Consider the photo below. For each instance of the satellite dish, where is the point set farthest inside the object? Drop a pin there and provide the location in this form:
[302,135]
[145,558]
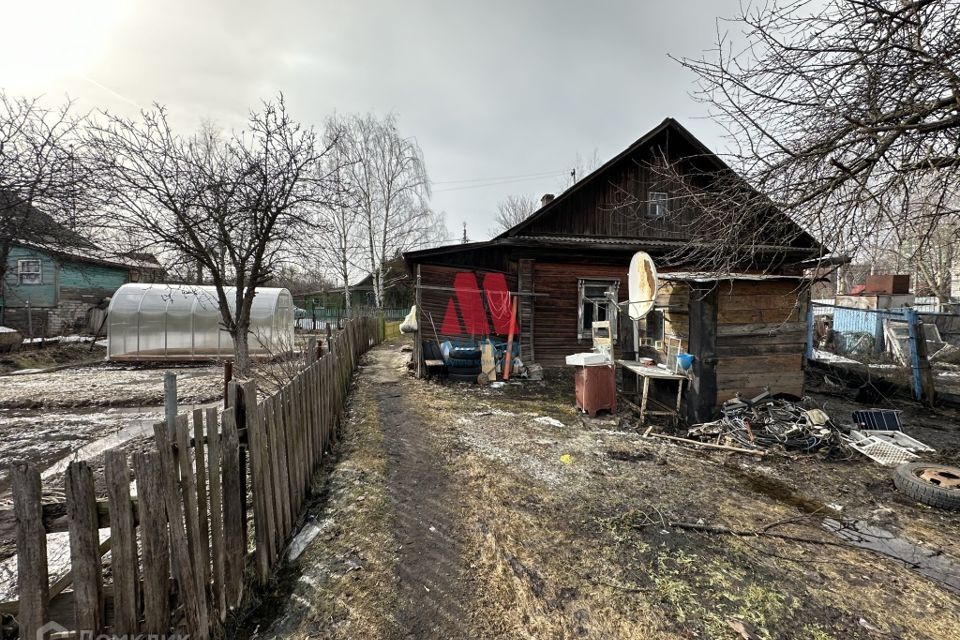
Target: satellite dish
[642,285]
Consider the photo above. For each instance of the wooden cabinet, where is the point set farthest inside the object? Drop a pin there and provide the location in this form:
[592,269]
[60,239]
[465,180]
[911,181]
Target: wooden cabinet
[596,389]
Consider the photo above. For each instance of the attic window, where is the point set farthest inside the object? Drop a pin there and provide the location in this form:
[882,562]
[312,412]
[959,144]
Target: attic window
[658,204]
[28,272]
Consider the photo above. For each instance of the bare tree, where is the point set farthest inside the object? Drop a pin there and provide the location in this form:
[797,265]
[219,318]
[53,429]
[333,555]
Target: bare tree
[340,245]
[386,172]
[514,210]
[42,176]
[835,112]
[237,205]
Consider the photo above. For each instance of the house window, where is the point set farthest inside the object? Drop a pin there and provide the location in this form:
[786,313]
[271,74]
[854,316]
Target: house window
[658,204]
[28,272]
[597,303]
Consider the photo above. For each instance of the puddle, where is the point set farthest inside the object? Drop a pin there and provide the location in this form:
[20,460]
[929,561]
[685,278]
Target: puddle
[932,564]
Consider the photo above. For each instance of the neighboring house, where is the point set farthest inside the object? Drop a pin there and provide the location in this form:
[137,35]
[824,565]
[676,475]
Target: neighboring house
[397,288]
[398,291]
[568,263]
[59,286]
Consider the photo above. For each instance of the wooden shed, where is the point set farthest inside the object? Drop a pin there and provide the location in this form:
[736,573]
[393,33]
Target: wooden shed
[567,263]
[747,333]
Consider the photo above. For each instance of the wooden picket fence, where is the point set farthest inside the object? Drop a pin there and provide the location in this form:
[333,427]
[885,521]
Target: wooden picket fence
[189,514]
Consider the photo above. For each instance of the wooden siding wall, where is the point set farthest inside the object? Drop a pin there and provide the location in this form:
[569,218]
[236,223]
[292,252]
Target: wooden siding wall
[615,206]
[90,282]
[556,315]
[761,335]
[39,295]
[673,299]
[434,302]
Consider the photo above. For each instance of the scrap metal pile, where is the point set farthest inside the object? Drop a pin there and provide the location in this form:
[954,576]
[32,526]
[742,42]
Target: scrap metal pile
[768,423]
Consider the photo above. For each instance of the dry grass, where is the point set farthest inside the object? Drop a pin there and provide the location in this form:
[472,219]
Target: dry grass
[563,535]
[557,550]
[342,587]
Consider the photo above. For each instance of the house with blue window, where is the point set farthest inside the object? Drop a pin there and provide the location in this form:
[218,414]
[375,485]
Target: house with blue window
[59,282]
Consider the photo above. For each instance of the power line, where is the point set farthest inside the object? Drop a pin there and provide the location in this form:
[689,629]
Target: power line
[525,175]
[493,184]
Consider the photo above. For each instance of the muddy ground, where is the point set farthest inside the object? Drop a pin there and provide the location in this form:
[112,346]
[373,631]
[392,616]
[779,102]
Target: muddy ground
[80,411]
[466,512]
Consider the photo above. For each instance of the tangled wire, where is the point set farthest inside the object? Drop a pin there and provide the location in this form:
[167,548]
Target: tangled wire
[765,423]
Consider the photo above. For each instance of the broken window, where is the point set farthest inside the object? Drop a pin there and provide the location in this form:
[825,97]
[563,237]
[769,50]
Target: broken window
[598,302]
[28,272]
[658,204]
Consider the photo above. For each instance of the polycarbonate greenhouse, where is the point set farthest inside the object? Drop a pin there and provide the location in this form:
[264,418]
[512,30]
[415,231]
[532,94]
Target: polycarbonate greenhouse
[182,322]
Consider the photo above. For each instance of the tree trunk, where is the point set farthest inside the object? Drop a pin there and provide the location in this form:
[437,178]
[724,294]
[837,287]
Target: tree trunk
[241,351]
[345,272]
[4,256]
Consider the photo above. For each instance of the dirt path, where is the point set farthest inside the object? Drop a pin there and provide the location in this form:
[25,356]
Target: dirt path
[387,563]
[423,501]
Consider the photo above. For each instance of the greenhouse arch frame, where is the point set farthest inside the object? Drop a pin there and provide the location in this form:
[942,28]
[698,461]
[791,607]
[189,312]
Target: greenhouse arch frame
[183,322]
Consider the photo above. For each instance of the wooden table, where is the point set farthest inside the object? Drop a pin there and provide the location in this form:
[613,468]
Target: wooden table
[653,373]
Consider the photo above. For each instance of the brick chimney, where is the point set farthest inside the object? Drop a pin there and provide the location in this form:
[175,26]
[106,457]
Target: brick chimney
[546,199]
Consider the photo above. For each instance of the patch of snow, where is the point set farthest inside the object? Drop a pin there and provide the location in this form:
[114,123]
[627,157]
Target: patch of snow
[308,534]
[550,422]
[7,330]
[826,356]
[58,563]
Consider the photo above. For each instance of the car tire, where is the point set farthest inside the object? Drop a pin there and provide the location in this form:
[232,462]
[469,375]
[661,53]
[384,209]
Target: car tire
[935,485]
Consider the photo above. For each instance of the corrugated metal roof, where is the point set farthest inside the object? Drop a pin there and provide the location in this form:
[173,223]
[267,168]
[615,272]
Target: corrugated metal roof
[644,242]
[702,276]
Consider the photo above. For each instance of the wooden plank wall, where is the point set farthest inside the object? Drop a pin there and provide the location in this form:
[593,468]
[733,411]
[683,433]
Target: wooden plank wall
[614,204]
[673,299]
[434,301]
[188,519]
[761,336]
[556,314]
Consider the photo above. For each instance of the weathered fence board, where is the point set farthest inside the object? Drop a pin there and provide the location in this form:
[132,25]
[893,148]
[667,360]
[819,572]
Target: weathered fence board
[189,516]
[32,578]
[84,547]
[123,552]
[155,542]
[214,461]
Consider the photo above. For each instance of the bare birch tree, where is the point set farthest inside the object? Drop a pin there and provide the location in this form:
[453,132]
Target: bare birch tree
[387,173]
[834,112]
[513,210]
[236,204]
[339,246]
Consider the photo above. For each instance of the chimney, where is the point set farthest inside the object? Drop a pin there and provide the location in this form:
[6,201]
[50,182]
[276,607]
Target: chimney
[546,199]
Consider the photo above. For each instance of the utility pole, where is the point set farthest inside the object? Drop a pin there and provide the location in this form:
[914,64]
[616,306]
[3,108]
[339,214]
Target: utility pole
[465,239]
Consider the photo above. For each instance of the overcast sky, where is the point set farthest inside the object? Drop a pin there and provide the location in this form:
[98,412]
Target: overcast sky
[501,95]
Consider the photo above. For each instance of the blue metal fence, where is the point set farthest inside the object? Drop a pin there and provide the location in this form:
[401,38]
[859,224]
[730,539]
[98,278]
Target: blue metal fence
[859,335]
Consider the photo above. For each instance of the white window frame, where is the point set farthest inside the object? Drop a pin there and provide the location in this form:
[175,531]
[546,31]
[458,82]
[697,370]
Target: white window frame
[24,273]
[586,333]
[658,204]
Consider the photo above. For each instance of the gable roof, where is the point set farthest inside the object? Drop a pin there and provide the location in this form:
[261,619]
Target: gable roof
[38,230]
[515,236]
[668,125]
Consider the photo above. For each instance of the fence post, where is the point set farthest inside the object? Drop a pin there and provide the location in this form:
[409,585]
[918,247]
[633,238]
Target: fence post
[923,386]
[170,401]
[809,349]
[32,579]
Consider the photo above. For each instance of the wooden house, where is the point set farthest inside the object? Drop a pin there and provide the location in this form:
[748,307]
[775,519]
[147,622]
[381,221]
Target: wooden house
[569,260]
[56,281]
